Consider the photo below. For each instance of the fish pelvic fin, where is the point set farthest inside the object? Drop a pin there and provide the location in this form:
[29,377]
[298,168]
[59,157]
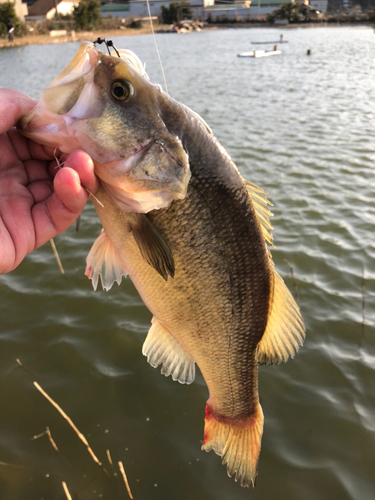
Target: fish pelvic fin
[153,247]
[285,331]
[237,441]
[104,261]
[161,348]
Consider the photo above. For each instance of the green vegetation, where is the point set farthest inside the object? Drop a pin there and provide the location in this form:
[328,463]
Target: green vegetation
[87,15]
[371,14]
[289,11]
[175,12]
[7,12]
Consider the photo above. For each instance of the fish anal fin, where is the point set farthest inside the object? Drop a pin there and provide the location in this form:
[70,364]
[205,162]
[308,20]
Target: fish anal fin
[161,348]
[153,247]
[237,441]
[285,331]
[104,261]
[260,204]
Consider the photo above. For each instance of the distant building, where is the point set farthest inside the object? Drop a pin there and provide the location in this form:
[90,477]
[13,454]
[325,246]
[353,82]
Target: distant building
[320,5]
[115,9]
[203,9]
[19,7]
[247,10]
[138,8]
[46,9]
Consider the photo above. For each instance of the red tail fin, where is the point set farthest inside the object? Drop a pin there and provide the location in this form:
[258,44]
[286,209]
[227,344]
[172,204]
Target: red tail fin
[237,441]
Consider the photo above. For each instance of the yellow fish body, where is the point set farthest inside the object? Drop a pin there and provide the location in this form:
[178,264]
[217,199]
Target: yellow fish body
[200,263]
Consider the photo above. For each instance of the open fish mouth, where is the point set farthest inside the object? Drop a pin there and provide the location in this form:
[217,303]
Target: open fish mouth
[71,96]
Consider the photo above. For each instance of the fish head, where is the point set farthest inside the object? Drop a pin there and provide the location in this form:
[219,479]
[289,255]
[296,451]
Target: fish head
[106,105]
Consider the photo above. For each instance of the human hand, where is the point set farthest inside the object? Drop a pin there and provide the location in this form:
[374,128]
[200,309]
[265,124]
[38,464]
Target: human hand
[38,200]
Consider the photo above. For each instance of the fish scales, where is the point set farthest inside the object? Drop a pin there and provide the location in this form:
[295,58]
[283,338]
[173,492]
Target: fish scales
[221,233]
[190,232]
[209,316]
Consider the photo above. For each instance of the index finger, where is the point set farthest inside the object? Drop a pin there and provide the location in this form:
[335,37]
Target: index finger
[13,105]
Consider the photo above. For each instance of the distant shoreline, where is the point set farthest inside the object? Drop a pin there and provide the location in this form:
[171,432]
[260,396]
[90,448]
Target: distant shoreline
[92,35]
[78,36]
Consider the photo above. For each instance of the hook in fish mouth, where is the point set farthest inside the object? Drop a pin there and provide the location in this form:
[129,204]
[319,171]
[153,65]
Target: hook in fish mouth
[108,43]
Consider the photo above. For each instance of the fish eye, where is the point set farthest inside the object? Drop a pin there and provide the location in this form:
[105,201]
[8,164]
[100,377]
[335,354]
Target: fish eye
[122,91]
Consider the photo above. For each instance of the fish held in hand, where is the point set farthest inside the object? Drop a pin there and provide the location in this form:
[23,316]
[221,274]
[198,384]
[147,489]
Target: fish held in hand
[201,264]
[106,107]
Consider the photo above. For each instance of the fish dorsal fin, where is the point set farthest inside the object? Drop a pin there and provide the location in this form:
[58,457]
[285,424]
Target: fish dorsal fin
[260,204]
[285,330]
[104,261]
[153,247]
[161,348]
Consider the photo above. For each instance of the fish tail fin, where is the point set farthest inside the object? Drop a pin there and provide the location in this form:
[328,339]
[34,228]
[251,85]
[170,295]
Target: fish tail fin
[237,441]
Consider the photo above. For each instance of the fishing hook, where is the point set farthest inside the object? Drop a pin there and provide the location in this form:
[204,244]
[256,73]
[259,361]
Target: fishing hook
[108,43]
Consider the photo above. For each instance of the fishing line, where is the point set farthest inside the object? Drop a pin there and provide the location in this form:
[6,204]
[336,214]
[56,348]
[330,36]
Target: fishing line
[156,46]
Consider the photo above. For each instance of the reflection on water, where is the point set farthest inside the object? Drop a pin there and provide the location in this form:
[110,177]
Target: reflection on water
[303,129]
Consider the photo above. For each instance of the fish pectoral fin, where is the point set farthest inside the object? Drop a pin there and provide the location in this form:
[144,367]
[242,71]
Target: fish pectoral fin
[260,204]
[104,261]
[237,441]
[153,247]
[285,331]
[161,348]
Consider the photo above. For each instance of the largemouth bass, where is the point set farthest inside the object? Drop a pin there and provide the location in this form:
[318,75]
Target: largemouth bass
[201,263]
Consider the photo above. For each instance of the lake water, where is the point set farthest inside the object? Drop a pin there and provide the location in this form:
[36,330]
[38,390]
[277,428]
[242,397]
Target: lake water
[301,127]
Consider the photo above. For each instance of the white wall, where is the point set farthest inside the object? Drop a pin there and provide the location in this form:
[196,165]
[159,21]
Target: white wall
[139,8]
[244,13]
[65,7]
[320,5]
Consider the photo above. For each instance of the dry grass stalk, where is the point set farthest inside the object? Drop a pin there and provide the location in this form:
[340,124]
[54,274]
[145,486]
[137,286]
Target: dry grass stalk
[122,470]
[70,422]
[24,367]
[95,198]
[48,432]
[57,256]
[109,457]
[54,445]
[13,466]
[68,495]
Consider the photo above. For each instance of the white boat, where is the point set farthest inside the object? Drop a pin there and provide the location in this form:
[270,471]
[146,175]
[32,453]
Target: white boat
[260,53]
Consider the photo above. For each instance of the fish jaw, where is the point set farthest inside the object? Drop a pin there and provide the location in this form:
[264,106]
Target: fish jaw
[151,178]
